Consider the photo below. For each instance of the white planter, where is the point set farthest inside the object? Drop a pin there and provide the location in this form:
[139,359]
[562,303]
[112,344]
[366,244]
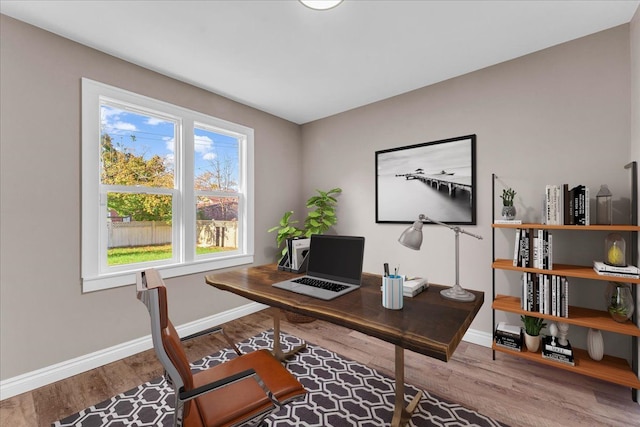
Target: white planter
[595,344]
[532,342]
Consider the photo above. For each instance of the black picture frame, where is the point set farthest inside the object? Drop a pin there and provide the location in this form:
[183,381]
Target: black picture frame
[437,179]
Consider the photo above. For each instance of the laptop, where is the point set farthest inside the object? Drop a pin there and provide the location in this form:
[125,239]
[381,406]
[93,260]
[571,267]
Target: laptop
[334,267]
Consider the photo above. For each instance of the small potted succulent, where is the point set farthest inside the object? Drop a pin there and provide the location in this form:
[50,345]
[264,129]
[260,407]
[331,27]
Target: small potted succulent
[508,210]
[532,327]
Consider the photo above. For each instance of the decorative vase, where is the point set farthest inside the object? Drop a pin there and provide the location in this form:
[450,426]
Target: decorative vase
[615,250]
[508,212]
[532,342]
[595,344]
[619,301]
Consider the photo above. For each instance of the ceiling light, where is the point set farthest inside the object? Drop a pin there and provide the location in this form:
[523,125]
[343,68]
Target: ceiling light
[321,4]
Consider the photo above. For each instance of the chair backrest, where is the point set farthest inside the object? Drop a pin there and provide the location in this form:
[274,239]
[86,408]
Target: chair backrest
[166,341]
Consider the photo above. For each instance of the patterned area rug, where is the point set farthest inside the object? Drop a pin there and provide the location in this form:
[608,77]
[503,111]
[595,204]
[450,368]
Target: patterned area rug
[341,392]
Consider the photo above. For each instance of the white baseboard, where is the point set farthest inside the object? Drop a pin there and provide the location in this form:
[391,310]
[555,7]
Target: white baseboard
[474,336]
[50,374]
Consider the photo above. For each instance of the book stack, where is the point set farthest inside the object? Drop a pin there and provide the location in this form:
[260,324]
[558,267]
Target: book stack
[552,350]
[533,248]
[604,269]
[576,202]
[553,205]
[562,205]
[545,294]
[509,336]
[414,286]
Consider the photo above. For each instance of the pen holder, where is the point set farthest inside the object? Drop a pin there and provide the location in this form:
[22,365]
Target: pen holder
[392,294]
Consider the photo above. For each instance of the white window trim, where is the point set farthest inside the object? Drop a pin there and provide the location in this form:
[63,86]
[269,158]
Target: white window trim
[93,279]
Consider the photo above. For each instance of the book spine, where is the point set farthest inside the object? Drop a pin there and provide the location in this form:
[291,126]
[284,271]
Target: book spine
[525,248]
[587,209]
[614,274]
[508,336]
[523,291]
[554,349]
[576,204]
[601,266]
[565,297]
[558,358]
[548,294]
[582,209]
[554,297]
[529,292]
[516,250]
[550,251]
[566,205]
[541,294]
[508,346]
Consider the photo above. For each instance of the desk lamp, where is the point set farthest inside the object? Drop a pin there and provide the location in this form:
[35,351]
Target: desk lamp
[412,238]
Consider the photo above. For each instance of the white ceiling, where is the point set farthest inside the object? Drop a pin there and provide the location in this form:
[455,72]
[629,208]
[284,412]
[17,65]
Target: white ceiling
[286,59]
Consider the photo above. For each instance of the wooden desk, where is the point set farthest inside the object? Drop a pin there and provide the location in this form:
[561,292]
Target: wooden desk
[427,324]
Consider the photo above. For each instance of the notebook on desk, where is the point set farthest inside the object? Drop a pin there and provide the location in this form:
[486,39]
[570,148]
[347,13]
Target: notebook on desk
[334,267]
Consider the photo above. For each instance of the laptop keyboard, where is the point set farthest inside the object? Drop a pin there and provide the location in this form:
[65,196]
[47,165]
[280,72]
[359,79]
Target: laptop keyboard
[316,283]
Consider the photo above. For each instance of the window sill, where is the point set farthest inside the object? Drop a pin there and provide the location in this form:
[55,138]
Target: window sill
[115,280]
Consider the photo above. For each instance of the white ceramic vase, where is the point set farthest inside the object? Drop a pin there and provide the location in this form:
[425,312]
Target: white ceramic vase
[595,344]
[532,342]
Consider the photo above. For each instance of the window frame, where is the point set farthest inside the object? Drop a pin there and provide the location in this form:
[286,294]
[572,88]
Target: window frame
[94,272]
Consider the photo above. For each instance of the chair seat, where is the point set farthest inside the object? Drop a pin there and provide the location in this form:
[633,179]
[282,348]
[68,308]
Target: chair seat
[244,399]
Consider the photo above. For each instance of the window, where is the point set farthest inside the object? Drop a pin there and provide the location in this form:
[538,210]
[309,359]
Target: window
[162,187]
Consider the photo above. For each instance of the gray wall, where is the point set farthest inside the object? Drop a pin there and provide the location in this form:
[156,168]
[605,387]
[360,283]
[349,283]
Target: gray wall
[561,115]
[44,316]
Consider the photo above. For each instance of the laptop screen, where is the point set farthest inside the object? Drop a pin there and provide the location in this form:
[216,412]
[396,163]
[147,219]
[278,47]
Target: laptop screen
[336,258]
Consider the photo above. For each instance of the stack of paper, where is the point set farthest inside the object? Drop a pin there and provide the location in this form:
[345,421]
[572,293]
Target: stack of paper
[414,286]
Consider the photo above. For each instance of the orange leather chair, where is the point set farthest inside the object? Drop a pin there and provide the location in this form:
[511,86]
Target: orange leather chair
[241,391]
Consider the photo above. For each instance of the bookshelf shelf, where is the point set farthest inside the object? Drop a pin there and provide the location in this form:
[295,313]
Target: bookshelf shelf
[612,369]
[610,228]
[567,270]
[580,316]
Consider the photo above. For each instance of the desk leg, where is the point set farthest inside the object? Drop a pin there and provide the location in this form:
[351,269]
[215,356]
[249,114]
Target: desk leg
[277,348]
[401,415]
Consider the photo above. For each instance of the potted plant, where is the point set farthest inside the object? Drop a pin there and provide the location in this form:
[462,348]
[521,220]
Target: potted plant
[318,221]
[532,327]
[508,210]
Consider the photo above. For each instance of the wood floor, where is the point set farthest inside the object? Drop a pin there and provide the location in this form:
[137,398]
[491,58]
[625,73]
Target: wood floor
[510,390]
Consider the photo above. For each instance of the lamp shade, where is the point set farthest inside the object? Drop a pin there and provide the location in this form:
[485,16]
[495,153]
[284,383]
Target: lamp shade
[321,4]
[412,236]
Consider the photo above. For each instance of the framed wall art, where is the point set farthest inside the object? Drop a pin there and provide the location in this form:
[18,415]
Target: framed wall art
[435,178]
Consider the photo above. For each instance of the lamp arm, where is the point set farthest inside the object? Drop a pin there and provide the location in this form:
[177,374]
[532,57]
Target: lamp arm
[457,230]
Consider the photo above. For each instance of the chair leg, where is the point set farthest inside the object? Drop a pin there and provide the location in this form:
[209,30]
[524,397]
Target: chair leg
[231,343]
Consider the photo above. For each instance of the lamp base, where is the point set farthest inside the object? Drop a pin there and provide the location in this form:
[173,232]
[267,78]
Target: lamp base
[456,293]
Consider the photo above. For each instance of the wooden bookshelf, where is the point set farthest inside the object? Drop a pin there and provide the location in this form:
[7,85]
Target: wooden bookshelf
[612,369]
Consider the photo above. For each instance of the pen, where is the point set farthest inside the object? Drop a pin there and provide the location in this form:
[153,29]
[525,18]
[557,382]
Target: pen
[386,269]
